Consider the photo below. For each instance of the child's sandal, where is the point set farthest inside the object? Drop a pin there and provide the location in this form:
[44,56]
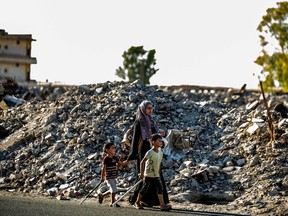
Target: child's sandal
[166,208]
[115,205]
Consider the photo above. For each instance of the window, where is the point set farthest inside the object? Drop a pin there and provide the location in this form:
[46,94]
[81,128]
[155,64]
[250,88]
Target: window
[17,42]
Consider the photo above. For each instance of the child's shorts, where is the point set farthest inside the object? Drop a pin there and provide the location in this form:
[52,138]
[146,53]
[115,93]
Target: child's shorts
[112,185]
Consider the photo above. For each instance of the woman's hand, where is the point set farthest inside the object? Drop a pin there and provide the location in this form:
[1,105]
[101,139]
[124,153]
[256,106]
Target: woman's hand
[125,163]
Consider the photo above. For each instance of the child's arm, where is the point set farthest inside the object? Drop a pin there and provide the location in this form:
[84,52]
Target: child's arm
[120,163]
[103,172]
[142,168]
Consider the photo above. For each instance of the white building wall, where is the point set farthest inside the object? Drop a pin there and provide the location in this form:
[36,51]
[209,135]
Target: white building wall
[15,56]
[13,71]
[14,47]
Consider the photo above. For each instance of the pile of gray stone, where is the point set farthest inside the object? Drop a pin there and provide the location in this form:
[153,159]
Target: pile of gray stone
[219,150]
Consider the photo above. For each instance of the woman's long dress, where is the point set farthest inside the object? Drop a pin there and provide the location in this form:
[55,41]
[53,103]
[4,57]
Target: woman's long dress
[151,197]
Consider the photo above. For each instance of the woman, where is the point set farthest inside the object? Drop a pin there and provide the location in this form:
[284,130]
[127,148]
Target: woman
[144,126]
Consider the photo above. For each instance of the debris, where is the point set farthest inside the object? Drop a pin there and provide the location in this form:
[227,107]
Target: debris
[54,145]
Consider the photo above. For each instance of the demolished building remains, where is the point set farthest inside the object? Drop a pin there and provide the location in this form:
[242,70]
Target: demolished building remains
[218,149]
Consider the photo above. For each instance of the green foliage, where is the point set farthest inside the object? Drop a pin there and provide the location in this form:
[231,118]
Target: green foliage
[138,64]
[274,26]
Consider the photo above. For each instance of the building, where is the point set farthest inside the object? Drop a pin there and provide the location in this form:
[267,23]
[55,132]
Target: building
[15,56]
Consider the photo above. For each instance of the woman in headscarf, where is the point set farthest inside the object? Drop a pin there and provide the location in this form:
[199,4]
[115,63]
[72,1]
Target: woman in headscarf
[144,126]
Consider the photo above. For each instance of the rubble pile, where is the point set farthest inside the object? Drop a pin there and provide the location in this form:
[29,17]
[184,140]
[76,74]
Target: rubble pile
[219,149]
[7,86]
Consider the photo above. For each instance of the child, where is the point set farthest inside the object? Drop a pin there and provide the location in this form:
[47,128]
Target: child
[150,169]
[109,172]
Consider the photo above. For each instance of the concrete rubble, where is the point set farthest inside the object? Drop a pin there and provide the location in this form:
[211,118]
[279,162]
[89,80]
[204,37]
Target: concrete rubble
[219,151]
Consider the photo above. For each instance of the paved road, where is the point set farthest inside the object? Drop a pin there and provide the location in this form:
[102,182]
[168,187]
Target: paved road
[29,206]
[11,205]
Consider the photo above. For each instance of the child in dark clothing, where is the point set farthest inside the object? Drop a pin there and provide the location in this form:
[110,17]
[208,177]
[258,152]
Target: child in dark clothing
[109,172]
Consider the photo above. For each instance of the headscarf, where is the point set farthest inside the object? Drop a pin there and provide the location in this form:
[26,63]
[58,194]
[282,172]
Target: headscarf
[146,121]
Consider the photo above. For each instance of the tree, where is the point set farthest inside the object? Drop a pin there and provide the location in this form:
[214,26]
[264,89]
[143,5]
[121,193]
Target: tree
[138,64]
[274,26]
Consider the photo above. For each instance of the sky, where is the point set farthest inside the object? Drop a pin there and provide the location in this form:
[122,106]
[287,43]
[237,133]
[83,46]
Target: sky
[211,42]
